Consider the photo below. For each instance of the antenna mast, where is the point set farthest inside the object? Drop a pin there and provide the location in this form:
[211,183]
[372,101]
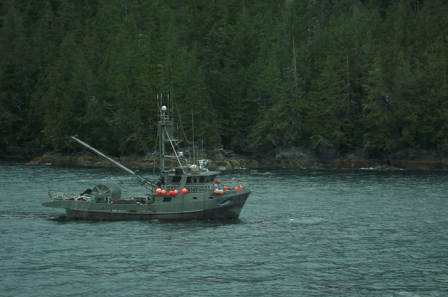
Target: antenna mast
[192,123]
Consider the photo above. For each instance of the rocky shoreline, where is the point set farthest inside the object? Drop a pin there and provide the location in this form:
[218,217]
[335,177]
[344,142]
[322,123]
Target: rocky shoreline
[410,159]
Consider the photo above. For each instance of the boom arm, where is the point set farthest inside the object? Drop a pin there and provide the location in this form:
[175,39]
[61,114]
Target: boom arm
[85,145]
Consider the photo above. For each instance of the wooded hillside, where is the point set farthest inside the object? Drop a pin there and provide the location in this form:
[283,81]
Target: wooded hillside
[251,74]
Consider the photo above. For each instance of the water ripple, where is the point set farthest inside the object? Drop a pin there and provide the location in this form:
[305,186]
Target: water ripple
[301,233]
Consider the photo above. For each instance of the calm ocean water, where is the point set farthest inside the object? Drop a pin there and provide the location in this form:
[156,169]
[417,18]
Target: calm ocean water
[301,233]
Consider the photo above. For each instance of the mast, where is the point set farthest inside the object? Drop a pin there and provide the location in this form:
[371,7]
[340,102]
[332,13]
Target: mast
[163,121]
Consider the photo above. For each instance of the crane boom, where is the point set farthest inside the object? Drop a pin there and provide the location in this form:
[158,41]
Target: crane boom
[121,166]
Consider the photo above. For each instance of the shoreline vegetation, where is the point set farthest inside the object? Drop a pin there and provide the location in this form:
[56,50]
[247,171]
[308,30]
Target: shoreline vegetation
[409,159]
[356,83]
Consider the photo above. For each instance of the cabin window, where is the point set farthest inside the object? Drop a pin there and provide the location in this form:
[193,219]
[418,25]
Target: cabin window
[192,180]
[176,179]
[166,199]
[202,179]
[210,178]
[211,197]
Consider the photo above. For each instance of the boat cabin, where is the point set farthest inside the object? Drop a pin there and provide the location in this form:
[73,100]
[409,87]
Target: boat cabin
[178,178]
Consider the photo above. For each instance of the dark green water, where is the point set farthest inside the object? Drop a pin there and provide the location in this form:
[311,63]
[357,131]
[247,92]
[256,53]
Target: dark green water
[301,233]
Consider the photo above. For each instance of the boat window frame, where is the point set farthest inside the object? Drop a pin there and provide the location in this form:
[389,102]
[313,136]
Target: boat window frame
[176,179]
[192,180]
[210,178]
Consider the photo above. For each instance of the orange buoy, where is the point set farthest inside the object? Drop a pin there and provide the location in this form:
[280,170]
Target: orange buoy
[171,193]
[158,191]
[221,192]
[216,191]
[241,187]
[218,181]
[237,188]
[176,192]
[215,185]
[184,191]
[225,188]
[163,192]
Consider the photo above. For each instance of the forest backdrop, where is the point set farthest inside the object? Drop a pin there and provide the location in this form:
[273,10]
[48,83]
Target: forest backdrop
[252,75]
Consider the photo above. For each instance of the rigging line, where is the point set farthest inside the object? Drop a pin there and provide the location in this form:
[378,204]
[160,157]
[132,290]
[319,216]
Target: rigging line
[153,159]
[66,166]
[192,122]
[180,120]
[171,142]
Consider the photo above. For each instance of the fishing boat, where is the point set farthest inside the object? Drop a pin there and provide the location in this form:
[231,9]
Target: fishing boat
[185,190]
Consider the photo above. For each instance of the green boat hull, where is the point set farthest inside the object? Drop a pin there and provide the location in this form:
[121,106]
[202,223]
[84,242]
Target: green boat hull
[194,206]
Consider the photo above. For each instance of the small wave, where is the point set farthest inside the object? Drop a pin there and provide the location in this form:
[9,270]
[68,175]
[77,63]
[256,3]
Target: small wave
[306,221]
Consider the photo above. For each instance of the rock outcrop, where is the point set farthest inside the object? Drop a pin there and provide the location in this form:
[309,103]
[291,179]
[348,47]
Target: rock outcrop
[220,159]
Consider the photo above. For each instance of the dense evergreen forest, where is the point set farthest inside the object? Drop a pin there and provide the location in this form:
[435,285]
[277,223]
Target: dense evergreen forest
[251,74]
